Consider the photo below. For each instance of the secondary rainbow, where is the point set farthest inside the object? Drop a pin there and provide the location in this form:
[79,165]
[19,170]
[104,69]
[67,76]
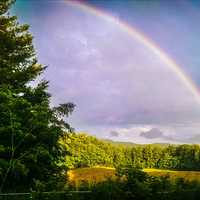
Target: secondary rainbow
[133,32]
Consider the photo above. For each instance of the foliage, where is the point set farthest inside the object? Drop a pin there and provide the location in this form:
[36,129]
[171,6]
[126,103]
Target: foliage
[138,185]
[29,129]
[99,174]
[87,151]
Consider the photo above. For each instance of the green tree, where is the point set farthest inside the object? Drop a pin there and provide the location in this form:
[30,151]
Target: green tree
[29,129]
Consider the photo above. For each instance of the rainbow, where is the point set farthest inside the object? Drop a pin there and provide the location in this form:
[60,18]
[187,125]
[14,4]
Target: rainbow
[133,32]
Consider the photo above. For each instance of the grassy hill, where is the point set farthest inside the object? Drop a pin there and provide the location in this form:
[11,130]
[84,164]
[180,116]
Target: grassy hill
[99,174]
[188,175]
[90,175]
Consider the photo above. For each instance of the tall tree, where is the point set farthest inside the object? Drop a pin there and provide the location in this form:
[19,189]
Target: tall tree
[29,128]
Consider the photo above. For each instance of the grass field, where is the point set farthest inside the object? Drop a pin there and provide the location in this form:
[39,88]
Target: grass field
[90,175]
[99,174]
[188,175]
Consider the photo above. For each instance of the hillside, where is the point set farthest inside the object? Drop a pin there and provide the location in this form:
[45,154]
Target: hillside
[88,151]
[99,174]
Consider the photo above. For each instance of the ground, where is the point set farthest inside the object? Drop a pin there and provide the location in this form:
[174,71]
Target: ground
[99,174]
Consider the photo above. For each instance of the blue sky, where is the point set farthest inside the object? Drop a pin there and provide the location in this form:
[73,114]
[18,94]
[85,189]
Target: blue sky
[122,90]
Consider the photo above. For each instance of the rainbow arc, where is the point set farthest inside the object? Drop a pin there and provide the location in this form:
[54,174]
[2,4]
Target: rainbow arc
[148,43]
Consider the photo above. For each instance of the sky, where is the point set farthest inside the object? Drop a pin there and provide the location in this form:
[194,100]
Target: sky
[122,90]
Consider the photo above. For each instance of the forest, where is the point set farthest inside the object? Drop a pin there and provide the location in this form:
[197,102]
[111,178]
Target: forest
[38,146]
[87,151]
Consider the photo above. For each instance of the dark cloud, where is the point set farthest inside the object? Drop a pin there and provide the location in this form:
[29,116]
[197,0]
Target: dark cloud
[152,134]
[114,133]
[156,133]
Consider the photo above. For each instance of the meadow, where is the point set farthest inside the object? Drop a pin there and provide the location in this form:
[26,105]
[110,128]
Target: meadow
[99,174]
[173,174]
[90,175]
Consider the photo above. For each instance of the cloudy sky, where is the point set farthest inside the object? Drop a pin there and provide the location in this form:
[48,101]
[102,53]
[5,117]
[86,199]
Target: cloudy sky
[122,90]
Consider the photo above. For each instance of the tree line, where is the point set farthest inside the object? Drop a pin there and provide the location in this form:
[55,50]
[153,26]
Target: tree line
[83,150]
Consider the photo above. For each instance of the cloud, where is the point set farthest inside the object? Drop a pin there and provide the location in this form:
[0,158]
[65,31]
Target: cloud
[152,133]
[156,133]
[147,134]
[114,134]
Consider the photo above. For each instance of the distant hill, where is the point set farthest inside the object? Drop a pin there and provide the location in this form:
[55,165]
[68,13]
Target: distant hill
[131,144]
[128,144]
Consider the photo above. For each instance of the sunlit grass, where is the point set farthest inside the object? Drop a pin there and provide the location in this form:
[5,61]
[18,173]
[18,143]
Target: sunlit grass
[187,175]
[98,174]
[153,170]
[90,175]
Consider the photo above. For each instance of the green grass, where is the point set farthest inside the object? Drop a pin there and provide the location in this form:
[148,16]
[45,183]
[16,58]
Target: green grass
[99,174]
